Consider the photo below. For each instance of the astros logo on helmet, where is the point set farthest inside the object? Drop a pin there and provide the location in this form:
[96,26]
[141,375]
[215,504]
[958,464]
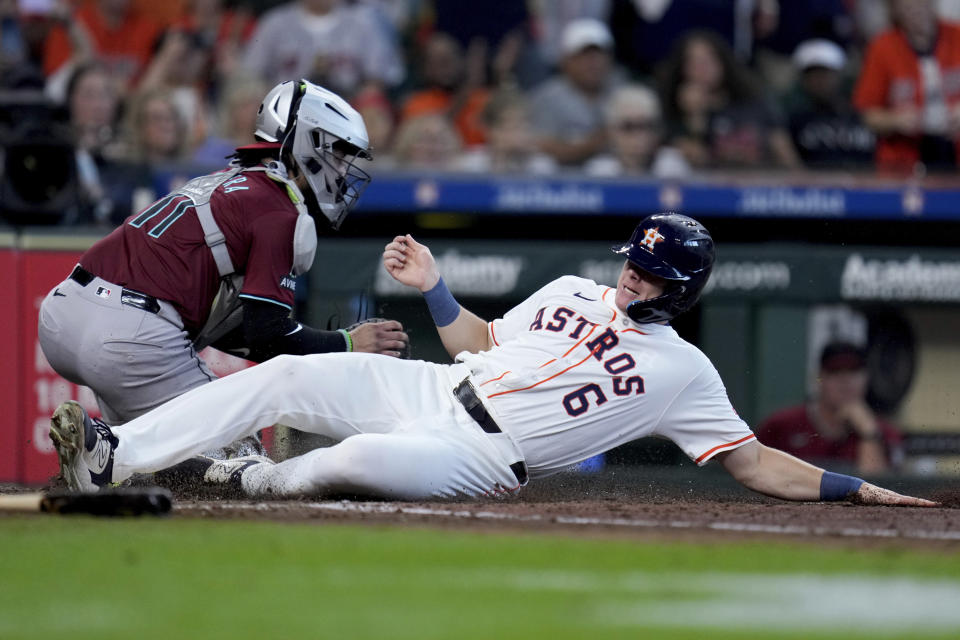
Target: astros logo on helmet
[651,237]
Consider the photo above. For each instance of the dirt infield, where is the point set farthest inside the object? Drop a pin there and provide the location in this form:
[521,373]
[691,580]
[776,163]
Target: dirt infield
[632,502]
[933,529]
[643,503]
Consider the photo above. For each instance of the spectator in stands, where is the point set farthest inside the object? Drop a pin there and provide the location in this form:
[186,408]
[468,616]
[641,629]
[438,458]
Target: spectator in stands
[510,144]
[399,14]
[870,18]
[182,67]
[908,91]
[374,106]
[501,27]
[113,31]
[635,130]
[166,12]
[792,24]
[826,130]
[716,114]
[236,119]
[837,425]
[194,58]
[568,108]
[224,32]
[339,45]
[25,28]
[452,85]
[645,31]
[93,105]
[549,19]
[427,141]
[110,188]
[155,129]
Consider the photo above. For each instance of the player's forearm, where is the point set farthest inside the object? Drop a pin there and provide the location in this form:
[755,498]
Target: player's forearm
[459,329]
[784,476]
[467,333]
[299,341]
[774,473]
[269,332]
[780,475]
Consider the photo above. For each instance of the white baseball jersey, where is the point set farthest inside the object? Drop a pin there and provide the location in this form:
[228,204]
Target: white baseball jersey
[571,376]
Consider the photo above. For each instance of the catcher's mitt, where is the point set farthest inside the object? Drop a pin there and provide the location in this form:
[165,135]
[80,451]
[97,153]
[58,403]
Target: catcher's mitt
[404,353]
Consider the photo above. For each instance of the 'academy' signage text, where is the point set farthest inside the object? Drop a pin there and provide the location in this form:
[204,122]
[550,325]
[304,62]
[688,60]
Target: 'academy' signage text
[910,279]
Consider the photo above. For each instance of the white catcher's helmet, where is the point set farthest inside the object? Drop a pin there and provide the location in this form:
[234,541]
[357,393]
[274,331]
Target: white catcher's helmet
[325,137]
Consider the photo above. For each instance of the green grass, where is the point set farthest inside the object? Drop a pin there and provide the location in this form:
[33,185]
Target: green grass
[178,578]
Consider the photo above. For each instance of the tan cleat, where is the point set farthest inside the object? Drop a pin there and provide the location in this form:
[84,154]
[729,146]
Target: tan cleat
[84,447]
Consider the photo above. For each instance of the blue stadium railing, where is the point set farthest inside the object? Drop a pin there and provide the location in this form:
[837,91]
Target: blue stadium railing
[824,196]
[809,196]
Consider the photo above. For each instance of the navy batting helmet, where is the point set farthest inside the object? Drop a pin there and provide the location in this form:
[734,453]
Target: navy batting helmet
[676,248]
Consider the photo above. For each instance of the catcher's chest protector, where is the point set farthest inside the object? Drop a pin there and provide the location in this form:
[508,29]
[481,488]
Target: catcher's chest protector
[225,311]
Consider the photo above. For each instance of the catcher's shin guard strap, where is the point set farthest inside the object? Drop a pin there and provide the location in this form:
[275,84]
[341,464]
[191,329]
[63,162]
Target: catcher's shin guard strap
[443,306]
[836,486]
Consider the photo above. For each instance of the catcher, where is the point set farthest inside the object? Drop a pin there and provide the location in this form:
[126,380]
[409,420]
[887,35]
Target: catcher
[214,263]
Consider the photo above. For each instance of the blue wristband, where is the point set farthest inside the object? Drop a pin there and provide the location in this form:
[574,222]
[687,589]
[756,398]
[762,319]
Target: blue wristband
[836,486]
[442,305]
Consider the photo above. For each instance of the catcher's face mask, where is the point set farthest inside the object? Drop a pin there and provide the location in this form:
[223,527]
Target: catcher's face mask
[326,140]
[329,165]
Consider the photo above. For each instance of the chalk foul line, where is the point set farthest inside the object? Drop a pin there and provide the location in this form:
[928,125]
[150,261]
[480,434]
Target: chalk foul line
[346,506]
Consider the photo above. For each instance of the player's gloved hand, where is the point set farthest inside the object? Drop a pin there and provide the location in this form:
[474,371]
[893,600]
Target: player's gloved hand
[872,494]
[378,335]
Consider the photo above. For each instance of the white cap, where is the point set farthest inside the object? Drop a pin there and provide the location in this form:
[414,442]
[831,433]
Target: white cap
[819,53]
[582,33]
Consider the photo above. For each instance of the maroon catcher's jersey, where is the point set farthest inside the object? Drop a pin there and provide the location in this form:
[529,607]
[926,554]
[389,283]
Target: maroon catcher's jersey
[161,251]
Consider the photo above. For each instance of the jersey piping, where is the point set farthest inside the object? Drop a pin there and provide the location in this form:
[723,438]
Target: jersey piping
[559,373]
[711,452]
[494,379]
[262,299]
[492,336]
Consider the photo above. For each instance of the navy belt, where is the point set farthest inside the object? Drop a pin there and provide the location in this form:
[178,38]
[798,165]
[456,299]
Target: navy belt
[466,395]
[128,297]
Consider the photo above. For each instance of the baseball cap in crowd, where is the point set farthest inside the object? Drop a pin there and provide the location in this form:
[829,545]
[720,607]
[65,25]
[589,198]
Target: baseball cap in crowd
[582,33]
[819,53]
[842,356]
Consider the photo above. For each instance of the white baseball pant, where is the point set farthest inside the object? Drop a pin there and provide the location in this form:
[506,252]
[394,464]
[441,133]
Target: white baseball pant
[401,432]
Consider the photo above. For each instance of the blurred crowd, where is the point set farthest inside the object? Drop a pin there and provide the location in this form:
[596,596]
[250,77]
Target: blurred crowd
[660,88]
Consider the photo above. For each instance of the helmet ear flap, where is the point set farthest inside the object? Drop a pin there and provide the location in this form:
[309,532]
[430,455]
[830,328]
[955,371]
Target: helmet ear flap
[663,308]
